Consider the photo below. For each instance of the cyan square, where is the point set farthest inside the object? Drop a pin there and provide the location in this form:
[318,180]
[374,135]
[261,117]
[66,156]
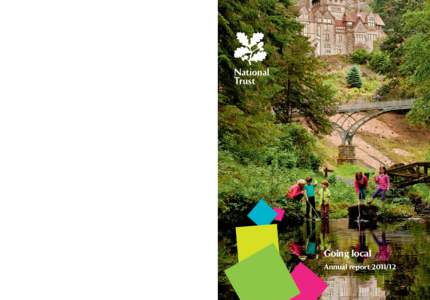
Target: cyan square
[262,213]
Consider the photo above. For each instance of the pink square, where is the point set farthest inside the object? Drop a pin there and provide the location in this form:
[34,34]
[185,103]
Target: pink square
[280,213]
[311,286]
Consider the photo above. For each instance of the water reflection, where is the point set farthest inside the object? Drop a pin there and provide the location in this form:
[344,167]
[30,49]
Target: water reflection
[361,246]
[397,254]
[405,245]
[384,250]
[347,287]
[325,230]
[311,242]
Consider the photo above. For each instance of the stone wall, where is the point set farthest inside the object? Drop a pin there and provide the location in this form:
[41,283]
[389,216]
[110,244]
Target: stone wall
[346,154]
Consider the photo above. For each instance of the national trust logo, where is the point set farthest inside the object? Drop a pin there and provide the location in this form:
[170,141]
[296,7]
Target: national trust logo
[251,50]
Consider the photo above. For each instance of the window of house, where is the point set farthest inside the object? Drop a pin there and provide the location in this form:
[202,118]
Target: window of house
[327,37]
[339,38]
[327,48]
[349,24]
[371,21]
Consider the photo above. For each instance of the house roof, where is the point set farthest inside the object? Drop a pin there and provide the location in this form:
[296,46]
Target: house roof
[359,27]
[378,20]
[303,10]
[350,18]
[363,17]
[339,23]
[319,12]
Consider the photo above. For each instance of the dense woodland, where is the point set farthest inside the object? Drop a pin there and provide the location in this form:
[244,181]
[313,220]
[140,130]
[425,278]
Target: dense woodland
[407,47]
[263,146]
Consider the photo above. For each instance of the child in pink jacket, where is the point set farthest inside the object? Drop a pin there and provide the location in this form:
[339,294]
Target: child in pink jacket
[383,184]
[297,191]
[360,184]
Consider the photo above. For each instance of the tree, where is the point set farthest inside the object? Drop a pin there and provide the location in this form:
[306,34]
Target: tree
[305,92]
[416,63]
[353,78]
[379,62]
[248,115]
[392,12]
[360,56]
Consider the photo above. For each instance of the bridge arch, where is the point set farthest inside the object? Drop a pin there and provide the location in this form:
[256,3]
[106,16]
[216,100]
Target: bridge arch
[354,114]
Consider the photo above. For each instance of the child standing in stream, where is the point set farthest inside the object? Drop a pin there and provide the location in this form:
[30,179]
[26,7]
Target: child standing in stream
[310,189]
[360,184]
[325,196]
[383,185]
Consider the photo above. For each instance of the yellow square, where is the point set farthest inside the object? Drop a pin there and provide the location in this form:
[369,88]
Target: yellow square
[251,239]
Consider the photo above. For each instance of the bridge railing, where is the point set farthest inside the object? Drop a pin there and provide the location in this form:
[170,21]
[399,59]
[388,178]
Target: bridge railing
[379,105]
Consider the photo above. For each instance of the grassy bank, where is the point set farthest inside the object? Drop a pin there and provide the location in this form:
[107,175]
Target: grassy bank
[337,68]
[242,186]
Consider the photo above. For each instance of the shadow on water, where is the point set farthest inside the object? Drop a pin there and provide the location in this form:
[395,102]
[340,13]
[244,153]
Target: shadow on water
[394,261]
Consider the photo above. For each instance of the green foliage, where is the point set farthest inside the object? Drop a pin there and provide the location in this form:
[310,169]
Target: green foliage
[349,170]
[337,71]
[422,190]
[298,143]
[360,56]
[407,45]
[261,151]
[420,112]
[343,192]
[332,179]
[240,187]
[304,90]
[266,172]
[378,6]
[353,78]
[392,212]
[416,64]
[383,90]
[379,62]
[392,11]
[247,115]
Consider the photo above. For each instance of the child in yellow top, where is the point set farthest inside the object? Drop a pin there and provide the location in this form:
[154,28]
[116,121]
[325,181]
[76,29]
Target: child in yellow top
[325,196]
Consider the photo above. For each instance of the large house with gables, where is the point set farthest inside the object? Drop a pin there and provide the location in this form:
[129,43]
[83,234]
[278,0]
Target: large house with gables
[339,26]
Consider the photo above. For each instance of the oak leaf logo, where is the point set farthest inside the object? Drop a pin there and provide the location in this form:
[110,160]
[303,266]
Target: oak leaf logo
[251,50]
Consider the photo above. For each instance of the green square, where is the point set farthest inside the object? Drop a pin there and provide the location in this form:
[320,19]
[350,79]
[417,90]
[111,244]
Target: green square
[262,276]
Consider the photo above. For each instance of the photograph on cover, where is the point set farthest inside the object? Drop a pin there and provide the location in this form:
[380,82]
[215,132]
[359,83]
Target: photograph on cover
[324,149]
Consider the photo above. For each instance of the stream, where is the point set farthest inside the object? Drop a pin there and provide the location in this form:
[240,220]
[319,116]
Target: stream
[398,266]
